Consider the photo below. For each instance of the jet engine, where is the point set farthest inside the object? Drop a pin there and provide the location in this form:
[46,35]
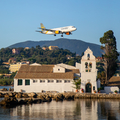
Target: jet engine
[57,32]
[68,33]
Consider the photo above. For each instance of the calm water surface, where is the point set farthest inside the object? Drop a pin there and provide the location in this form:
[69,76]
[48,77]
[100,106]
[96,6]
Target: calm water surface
[80,109]
[67,110]
[7,87]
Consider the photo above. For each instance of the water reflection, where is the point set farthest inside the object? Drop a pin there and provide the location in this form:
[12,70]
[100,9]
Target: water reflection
[84,109]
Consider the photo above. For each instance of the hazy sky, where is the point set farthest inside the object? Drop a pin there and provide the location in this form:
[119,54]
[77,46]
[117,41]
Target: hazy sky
[20,18]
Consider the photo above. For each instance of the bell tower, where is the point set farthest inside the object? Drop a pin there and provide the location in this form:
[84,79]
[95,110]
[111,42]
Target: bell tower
[88,72]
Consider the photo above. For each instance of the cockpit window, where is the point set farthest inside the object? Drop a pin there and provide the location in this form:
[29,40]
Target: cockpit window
[73,27]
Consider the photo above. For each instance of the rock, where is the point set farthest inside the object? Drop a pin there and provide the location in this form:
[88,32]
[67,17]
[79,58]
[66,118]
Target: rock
[18,95]
[4,89]
[38,101]
[29,101]
[58,97]
[25,95]
[33,95]
[48,98]
[6,95]
[11,89]
[1,95]
[69,96]
[44,97]
[22,102]
[9,102]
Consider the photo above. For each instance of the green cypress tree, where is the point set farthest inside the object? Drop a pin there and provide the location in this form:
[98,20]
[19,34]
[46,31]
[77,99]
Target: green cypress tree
[110,55]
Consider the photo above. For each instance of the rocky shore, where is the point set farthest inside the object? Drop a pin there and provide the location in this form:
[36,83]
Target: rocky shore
[12,99]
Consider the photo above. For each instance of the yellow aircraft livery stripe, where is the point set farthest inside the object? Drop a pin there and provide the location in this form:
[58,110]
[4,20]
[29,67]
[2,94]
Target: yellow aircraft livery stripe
[46,32]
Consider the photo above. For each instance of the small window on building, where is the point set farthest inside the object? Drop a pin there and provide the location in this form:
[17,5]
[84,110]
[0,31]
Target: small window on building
[93,87]
[19,81]
[42,81]
[66,81]
[58,69]
[86,65]
[90,65]
[86,70]
[58,81]
[34,81]
[27,82]
[50,81]
[88,56]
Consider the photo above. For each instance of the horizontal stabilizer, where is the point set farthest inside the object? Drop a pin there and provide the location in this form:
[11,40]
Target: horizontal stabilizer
[38,31]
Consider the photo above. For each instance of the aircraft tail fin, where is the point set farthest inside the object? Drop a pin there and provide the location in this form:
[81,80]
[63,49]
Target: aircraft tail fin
[42,26]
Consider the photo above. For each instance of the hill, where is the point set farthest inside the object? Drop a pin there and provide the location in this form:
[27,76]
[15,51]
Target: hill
[73,45]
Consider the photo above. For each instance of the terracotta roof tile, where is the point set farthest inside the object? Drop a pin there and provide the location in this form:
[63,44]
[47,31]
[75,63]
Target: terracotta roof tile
[43,72]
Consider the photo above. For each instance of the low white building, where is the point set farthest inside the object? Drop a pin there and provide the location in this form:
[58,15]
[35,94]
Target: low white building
[59,77]
[37,78]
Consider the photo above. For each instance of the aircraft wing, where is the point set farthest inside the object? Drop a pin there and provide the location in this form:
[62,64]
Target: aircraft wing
[49,29]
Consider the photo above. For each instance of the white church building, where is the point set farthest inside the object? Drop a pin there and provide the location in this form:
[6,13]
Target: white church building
[88,72]
[59,77]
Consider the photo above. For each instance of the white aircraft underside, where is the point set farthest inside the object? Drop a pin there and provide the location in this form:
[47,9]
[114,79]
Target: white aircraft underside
[66,30]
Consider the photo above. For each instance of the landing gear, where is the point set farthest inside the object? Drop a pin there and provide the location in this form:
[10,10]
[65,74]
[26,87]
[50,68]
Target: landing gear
[54,34]
[62,35]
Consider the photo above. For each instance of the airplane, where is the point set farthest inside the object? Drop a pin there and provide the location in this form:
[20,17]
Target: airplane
[62,30]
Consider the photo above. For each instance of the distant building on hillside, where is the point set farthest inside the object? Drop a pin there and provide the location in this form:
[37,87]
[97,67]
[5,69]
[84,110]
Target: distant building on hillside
[12,60]
[99,59]
[15,51]
[69,57]
[53,47]
[5,63]
[15,67]
[26,48]
[45,48]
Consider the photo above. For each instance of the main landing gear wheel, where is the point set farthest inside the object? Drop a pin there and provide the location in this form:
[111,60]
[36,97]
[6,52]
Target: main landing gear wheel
[61,35]
[54,34]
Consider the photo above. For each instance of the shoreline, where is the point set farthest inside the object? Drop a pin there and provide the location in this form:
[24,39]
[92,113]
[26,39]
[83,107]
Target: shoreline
[11,98]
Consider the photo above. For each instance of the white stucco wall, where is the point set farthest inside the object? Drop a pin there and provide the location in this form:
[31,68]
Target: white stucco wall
[58,69]
[110,89]
[78,66]
[38,87]
[98,83]
[89,72]
[66,66]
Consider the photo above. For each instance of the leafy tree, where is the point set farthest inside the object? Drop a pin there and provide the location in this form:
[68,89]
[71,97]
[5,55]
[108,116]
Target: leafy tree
[102,77]
[13,75]
[77,83]
[111,54]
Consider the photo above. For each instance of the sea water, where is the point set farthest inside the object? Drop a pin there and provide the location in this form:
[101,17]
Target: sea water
[79,109]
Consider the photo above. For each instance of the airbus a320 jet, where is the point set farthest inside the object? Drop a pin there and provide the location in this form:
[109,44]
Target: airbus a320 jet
[62,30]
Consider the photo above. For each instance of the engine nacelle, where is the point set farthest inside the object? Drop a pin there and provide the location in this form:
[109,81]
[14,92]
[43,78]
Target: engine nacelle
[57,32]
[68,33]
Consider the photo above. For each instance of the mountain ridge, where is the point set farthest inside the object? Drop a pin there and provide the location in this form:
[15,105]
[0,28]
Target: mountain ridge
[73,45]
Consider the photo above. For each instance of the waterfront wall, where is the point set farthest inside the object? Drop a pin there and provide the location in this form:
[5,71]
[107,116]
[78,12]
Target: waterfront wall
[12,99]
[61,96]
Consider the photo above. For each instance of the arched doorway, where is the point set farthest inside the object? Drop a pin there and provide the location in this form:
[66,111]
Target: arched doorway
[88,87]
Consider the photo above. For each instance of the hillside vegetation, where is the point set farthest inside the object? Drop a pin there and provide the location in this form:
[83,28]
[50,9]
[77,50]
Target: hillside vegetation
[39,55]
